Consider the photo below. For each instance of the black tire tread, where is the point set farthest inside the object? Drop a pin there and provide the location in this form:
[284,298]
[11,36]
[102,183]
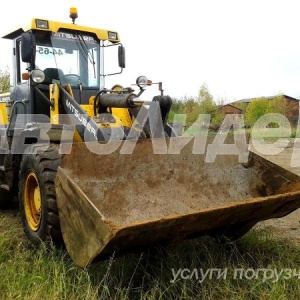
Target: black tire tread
[46,163]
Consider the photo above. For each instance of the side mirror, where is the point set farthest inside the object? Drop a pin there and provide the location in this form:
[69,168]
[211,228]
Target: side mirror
[28,47]
[121,56]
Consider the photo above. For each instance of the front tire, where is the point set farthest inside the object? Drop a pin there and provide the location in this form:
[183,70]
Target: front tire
[37,198]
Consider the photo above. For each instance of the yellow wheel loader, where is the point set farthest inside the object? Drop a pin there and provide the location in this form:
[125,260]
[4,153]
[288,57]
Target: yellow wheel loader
[101,169]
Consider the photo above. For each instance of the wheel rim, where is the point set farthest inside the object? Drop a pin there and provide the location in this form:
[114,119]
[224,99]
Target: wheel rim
[32,201]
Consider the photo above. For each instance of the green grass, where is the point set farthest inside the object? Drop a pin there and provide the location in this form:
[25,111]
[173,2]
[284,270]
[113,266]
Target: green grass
[273,133]
[265,133]
[43,273]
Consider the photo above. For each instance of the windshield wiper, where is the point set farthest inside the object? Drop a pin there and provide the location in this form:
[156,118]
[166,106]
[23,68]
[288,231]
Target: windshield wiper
[86,51]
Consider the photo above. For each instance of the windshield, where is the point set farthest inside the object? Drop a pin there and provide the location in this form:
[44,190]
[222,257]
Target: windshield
[72,58]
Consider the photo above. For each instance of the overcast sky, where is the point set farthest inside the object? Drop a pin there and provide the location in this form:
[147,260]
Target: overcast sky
[240,49]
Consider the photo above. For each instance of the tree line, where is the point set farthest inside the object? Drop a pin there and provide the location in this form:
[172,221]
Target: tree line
[250,111]
[4,81]
[192,107]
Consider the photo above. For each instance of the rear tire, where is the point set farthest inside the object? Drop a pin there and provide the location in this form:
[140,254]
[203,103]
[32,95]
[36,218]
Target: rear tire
[37,197]
[6,200]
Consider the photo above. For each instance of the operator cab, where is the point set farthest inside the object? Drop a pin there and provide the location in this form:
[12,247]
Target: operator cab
[70,55]
[67,57]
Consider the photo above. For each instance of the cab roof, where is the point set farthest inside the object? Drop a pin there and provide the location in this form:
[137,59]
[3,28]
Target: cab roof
[54,26]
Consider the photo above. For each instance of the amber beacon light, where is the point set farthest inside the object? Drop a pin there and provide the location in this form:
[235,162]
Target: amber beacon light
[73,14]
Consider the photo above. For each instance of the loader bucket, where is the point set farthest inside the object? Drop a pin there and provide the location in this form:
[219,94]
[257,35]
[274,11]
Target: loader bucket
[119,201]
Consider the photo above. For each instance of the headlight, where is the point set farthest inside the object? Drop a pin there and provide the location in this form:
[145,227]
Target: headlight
[38,76]
[142,81]
[112,35]
[42,24]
